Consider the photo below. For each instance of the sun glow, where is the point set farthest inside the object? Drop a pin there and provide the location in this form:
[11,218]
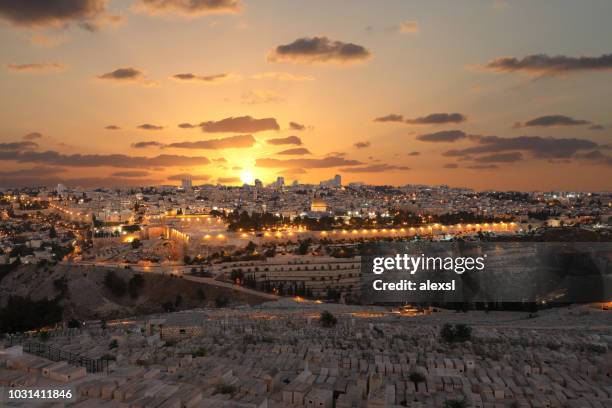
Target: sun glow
[247,177]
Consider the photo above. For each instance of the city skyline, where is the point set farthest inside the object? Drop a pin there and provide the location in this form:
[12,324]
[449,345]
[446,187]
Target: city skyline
[505,95]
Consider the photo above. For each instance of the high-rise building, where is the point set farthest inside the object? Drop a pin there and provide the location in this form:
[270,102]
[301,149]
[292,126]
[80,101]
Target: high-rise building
[335,182]
[279,183]
[187,184]
[61,189]
[258,184]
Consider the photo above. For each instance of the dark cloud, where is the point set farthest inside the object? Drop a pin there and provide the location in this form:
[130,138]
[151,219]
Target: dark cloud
[189,77]
[482,167]
[102,160]
[228,180]
[293,172]
[39,171]
[375,168]
[319,50]
[361,145]
[112,127]
[539,147]
[542,64]
[450,166]
[438,119]
[183,176]
[596,157]
[414,153]
[553,120]
[232,142]
[297,151]
[76,182]
[127,75]
[188,8]
[596,127]
[296,126]
[390,118]
[32,136]
[144,145]
[220,160]
[37,68]
[18,146]
[187,126]
[323,163]
[289,140]
[501,158]
[442,136]
[335,154]
[131,173]
[148,126]
[241,124]
[89,14]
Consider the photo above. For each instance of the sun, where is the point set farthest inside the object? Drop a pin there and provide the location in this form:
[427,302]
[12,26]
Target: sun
[247,177]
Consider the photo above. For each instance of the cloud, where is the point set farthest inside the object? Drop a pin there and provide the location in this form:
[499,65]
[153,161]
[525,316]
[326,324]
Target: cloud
[596,127]
[207,79]
[539,147]
[144,145]
[597,157]
[296,126]
[390,118]
[414,154]
[220,160]
[438,119]
[409,27]
[501,158]
[187,126]
[38,68]
[131,173]
[282,76]
[310,50]
[553,120]
[88,14]
[542,64]
[39,171]
[101,160]
[361,145]
[375,168]
[289,140]
[188,8]
[183,176]
[324,163]
[18,146]
[228,180]
[127,75]
[112,127]
[231,142]
[297,151]
[260,96]
[148,126]
[32,136]
[482,167]
[450,166]
[241,124]
[443,136]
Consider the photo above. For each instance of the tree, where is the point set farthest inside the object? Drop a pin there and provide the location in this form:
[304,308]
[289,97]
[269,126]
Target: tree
[416,378]
[221,301]
[52,233]
[113,345]
[327,319]
[456,403]
[135,284]
[115,284]
[455,334]
[74,324]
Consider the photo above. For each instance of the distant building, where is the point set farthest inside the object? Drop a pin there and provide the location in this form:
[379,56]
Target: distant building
[318,205]
[279,183]
[61,189]
[187,184]
[335,182]
[258,184]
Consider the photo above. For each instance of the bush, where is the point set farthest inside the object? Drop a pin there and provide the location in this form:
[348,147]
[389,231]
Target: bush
[221,301]
[115,284]
[455,334]
[135,285]
[225,389]
[22,314]
[327,319]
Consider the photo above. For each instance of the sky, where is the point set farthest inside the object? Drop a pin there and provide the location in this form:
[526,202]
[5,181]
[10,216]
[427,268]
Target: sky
[487,94]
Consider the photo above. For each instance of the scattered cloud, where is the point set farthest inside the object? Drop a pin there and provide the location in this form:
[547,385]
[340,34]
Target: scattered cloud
[127,75]
[361,145]
[39,171]
[482,167]
[323,163]
[375,168]
[112,127]
[296,126]
[309,50]
[297,151]
[289,140]
[241,124]
[32,136]
[204,79]
[510,157]
[18,146]
[187,125]
[409,27]
[438,119]
[149,126]
[450,166]
[282,76]
[596,127]
[414,154]
[38,68]
[144,145]
[596,157]
[228,180]
[188,8]
[542,64]
[131,173]
[220,160]
[101,160]
[390,118]
[443,136]
[88,14]
[552,120]
[293,172]
[194,177]
[231,142]
[260,96]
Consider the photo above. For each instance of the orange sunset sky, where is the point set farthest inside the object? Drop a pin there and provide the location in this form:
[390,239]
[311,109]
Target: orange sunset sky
[507,95]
